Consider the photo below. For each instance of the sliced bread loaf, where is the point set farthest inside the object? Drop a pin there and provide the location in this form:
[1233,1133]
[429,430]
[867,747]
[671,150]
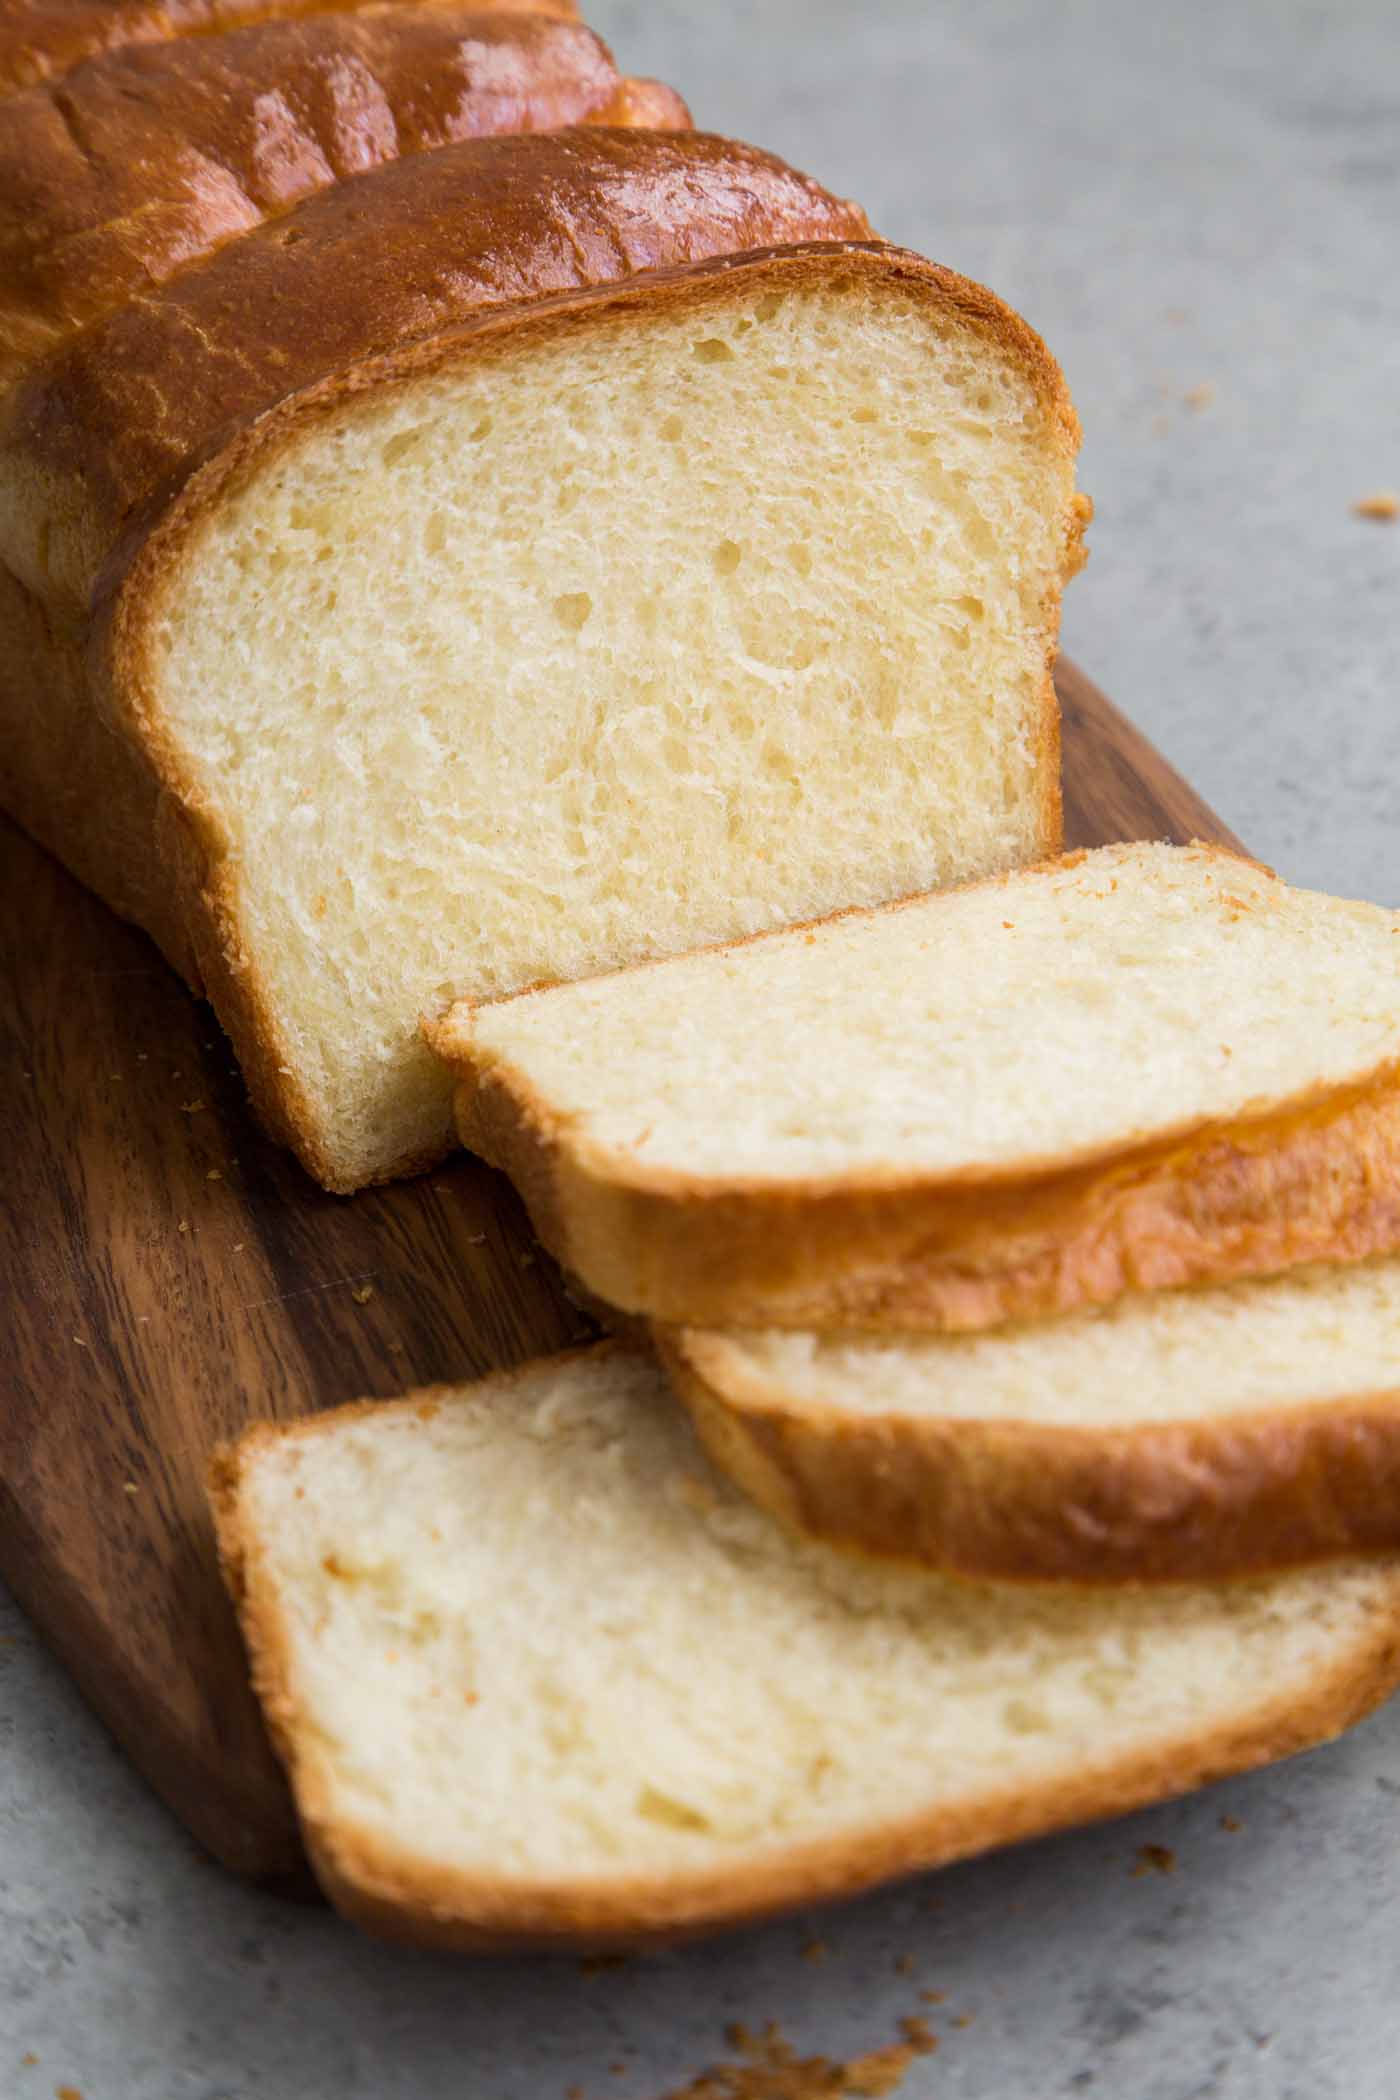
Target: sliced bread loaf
[1175,1435]
[1139,1067]
[540,1675]
[521,558]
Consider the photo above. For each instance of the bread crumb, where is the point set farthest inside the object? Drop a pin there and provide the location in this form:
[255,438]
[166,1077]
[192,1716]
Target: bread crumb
[772,2069]
[1154,1859]
[66,2092]
[80,1342]
[1383,505]
[130,1487]
[142,1056]
[214,1175]
[1231,1823]
[476,1239]
[29,2057]
[239,1245]
[932,1997]
[143,1319]
[362,1293]
[813,1950]
[190,1108]
[396,1348]
[1200,396]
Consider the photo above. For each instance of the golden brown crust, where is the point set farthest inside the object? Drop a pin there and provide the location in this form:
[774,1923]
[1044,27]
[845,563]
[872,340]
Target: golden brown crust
[1016,1501]
[418,1900]
[143,162]
[43,39]
[645,105]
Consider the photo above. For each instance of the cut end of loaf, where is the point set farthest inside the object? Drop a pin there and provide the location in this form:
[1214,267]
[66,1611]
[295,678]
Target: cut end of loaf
[640,629]
[677,1715]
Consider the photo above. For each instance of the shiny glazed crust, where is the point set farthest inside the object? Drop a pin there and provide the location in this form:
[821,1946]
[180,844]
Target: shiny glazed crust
[475,251]
[143,162]
[415,1898]
[44,39]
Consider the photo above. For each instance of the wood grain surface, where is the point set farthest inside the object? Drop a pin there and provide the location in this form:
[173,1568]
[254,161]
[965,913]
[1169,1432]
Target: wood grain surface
[171,1276]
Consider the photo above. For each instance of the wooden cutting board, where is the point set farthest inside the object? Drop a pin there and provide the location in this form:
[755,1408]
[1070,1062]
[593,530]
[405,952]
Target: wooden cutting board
[170,1276]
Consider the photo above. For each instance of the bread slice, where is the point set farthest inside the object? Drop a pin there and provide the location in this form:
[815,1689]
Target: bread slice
[540,1676]
[403,605]
[45,39]
[142,162]
[1134,1068]
[1175,1435]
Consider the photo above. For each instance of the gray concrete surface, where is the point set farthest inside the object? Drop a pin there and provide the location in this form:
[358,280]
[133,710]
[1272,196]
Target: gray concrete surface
[1201,196]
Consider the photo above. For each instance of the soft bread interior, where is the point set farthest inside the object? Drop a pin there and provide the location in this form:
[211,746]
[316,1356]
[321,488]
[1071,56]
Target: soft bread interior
[1120,995]
[678,627]
[1313,1336]
[527,1634]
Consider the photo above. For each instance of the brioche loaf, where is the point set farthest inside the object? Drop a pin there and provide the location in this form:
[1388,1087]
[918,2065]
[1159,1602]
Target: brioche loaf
[141,163]
[540,1676]
[1172,1436]
[400,606]
[1139,1067]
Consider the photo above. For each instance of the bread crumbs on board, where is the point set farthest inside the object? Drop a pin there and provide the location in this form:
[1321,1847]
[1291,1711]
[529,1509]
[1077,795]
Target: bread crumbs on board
[1383,506]
[362,1293]
[1231,1823]
[1154,1859]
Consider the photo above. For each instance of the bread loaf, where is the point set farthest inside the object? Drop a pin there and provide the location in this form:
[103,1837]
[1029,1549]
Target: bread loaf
[1172,1436]
[400,607]
[142,163]
[540,1676]
[1137,1068]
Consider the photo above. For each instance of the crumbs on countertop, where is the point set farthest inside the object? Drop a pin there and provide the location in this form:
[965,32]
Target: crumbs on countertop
[362,1293]
[772,2070]
[1383,505]
[1154,1859]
